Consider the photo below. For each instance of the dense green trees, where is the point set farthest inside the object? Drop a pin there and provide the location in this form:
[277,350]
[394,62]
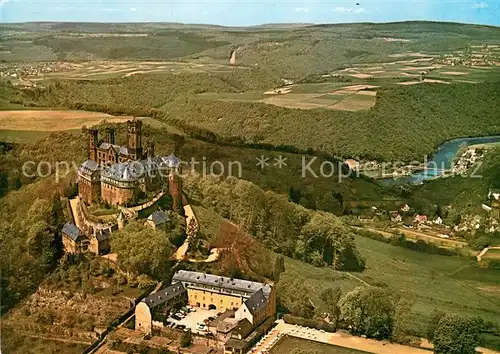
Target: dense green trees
[456,334]
[142,250]
[331,298]
[315,237]
[30,224]
[368,311]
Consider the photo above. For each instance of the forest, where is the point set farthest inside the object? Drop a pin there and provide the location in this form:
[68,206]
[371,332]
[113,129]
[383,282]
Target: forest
[315,237]
[406,124]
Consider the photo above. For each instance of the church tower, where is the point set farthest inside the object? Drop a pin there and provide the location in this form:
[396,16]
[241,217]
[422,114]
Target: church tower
[134,129]
[93,144]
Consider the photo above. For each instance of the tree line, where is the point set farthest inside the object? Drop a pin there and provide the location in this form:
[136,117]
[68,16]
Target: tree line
[315,237]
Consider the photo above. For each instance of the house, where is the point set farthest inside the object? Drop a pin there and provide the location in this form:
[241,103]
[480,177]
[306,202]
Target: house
[209,291]
[73,239]
[486,208]
[405,208]
[254,309]
[438,221]
[214,324]
[420,219]
[99,242]
[352,164]
[395,217]
[236,343]
[153,310]
[157,219]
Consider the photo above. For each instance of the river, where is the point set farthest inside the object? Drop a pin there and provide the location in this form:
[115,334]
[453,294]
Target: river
[440,160]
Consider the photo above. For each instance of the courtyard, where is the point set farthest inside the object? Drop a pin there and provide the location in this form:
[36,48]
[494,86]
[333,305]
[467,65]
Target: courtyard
[192,320]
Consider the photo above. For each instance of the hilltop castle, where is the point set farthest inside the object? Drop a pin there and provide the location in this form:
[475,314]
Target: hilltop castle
[119,175]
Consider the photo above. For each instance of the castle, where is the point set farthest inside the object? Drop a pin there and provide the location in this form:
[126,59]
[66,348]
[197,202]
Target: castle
[119,175]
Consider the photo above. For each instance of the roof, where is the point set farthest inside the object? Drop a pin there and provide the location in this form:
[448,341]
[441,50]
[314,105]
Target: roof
[227,325]
[124,171]
[244,328]
[163,295]
[72,231]
[236,343]
[222,317]
[122,150]
[102,234]
[256,302]
[171,161]
[221,282]
[89,167]
[158,217]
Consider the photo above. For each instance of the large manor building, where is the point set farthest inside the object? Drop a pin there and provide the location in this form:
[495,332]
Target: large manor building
[116,175]
[244,305]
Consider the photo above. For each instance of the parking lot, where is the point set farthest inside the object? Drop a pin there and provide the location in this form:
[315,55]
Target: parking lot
[192,319]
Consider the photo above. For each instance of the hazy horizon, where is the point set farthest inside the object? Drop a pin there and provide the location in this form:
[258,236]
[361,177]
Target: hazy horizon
[233,13]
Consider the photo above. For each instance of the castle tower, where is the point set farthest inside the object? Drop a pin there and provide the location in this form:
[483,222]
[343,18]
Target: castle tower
[134,129]
[93,144]
[110,135]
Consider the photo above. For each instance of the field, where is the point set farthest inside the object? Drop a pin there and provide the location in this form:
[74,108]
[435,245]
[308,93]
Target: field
[287,344]
[429,282]
[53,120]
[26,126]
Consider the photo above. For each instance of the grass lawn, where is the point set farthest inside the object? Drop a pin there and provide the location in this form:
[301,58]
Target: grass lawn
[287,344]
[430,282]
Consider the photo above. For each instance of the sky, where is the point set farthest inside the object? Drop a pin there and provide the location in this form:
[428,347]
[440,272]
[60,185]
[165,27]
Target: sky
[245,13]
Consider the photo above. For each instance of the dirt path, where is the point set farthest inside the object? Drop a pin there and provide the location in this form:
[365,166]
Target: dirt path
[214,255]
[416,236]
[180,254]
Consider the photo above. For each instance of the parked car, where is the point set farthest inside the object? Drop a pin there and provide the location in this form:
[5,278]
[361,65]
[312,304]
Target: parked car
[211,319]
[201,327]
[180,314]
[175,317]
[180,326]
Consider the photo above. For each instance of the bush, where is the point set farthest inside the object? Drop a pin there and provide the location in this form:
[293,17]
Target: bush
[327,327]
[187,339]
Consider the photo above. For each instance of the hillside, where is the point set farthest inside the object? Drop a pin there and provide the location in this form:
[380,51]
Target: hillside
[420,116]
[290,51]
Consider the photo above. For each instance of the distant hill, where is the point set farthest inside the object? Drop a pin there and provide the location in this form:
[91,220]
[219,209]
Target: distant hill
[290,50]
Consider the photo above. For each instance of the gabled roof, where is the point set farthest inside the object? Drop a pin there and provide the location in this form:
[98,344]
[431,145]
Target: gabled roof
[102,234]
[256,302]
[244,328]
[163,295]
[122,150]
[221,282]
[72,231]
[158,217]
[227,325]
